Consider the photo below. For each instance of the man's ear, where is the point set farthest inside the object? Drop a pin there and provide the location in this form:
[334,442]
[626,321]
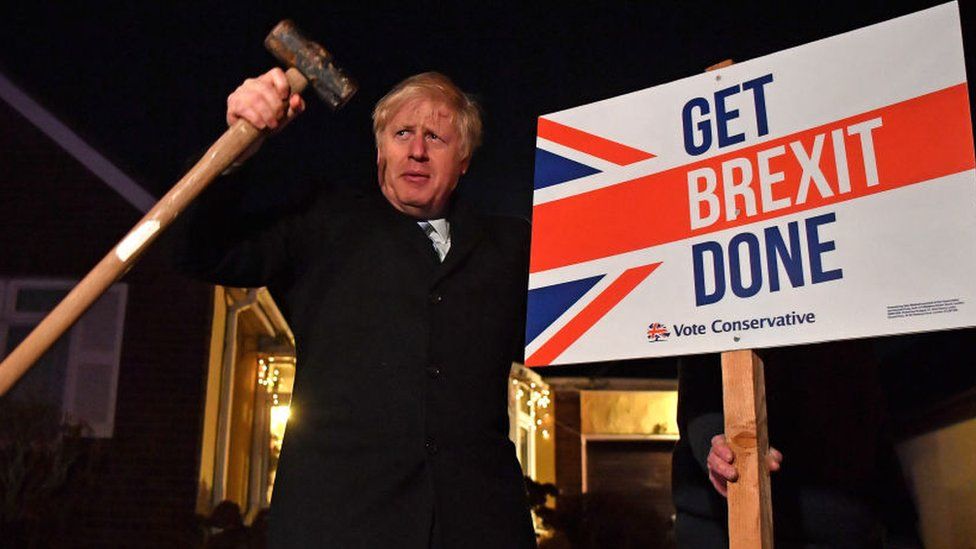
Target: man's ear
[464,165]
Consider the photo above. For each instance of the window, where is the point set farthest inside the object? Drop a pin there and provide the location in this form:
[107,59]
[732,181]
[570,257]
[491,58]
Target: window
[249,385]
[79,374]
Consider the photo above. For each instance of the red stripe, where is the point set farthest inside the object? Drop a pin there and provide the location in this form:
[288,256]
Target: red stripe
[590,144]
[923,138]
[590,314]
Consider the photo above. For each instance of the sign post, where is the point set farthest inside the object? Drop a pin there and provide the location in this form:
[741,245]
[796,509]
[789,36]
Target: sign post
[750,504]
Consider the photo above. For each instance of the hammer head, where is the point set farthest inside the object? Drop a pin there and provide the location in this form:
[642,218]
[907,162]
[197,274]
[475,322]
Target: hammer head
[288,44]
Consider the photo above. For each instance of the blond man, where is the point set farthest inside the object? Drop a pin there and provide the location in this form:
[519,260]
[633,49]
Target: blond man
[407,309]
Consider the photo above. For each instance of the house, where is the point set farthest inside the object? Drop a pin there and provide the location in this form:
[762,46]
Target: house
[132,370]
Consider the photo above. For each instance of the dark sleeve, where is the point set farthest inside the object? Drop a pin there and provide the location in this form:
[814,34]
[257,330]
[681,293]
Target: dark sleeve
[222,238]
[700,415]
[523,231]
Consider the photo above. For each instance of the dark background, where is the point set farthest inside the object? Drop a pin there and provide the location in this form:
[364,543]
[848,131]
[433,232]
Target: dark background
[145,84]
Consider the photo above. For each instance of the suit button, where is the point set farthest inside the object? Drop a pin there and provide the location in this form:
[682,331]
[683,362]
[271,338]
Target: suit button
[436,298]
[433,372]
[430,446]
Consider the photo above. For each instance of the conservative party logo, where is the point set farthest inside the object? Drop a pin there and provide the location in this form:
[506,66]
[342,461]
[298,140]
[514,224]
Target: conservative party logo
[657,332]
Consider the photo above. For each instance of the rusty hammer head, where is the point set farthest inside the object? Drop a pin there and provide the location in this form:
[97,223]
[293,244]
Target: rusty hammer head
[288,44]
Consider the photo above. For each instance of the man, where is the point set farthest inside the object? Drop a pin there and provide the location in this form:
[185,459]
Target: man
[404,340]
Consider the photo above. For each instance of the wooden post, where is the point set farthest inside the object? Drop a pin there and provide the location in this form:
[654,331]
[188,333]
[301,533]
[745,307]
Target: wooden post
[750,506]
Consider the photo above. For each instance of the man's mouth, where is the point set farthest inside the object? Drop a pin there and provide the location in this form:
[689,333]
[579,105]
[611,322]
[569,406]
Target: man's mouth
[416,177]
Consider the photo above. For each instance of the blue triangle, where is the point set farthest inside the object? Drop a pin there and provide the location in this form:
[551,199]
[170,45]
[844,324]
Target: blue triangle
[546,304]
[552,169]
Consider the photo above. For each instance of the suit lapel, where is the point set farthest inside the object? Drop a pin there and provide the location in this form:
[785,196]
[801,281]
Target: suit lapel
[467,230]
[409,235]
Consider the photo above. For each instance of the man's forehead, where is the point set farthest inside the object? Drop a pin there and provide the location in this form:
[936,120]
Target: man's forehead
[429,111]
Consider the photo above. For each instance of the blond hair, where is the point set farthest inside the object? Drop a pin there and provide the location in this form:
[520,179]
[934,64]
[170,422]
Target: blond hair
[436,87]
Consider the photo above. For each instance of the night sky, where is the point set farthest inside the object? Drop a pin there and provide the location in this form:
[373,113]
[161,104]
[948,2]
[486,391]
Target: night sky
[145,82]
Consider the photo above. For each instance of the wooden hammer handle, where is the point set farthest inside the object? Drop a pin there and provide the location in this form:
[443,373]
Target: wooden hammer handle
[123,256]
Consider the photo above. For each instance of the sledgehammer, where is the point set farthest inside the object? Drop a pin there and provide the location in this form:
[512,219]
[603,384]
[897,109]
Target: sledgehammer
[308,63]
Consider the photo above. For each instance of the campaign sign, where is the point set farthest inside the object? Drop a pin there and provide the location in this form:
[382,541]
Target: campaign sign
[819,193]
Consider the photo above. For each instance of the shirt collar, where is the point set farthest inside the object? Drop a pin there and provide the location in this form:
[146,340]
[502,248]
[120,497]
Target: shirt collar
[442,227]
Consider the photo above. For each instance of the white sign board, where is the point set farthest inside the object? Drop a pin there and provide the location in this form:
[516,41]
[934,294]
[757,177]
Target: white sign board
[823,192]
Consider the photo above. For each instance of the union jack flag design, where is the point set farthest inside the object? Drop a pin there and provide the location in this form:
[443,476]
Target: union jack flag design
[569,160]
[657,332]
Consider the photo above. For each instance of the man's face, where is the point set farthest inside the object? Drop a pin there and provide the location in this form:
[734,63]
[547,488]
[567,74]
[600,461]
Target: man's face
[418,157]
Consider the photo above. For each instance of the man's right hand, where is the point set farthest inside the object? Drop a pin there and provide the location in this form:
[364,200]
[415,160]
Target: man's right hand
[265,101]
[721,464]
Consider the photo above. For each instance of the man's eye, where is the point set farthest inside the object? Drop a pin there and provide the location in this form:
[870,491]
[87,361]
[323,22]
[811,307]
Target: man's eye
[402,133]
[433,137]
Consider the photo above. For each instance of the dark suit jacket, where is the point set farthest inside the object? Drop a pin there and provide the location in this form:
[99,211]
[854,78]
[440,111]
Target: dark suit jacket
[400,401]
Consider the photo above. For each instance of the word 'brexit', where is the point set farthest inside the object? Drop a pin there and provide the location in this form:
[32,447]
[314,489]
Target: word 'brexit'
[749,185]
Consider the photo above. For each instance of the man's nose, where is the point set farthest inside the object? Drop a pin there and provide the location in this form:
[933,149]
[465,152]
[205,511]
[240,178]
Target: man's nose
[418,148]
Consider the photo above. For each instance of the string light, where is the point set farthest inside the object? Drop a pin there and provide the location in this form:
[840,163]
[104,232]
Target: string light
[269,376]
[538,401]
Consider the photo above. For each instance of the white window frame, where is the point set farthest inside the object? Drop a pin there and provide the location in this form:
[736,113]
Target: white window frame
[78,356]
